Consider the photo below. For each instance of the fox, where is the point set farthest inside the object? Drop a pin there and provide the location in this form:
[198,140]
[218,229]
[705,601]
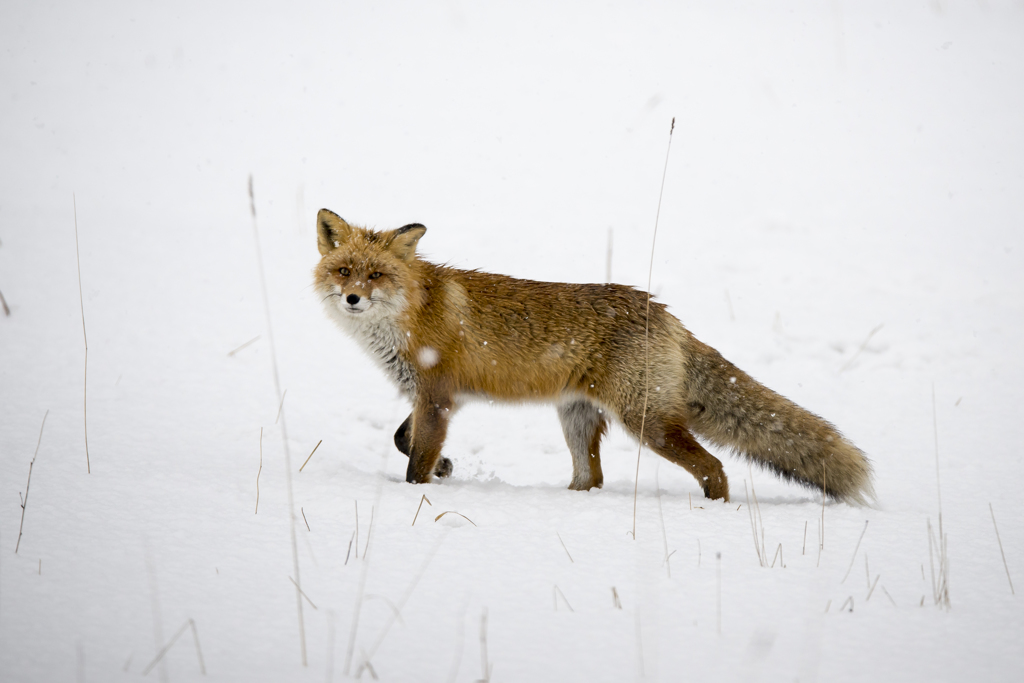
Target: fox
[598,352]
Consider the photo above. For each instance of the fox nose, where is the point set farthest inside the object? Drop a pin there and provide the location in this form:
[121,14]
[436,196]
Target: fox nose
[352,299]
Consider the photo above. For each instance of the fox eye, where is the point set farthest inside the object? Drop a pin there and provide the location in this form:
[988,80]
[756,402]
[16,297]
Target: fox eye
[344,271]
[375,275]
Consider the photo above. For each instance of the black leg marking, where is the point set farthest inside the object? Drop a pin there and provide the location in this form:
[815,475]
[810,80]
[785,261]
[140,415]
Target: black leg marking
[444,465]
[402,436]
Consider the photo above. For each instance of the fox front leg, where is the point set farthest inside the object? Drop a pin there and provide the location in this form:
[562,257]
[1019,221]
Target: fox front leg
[429,429]
[402,443]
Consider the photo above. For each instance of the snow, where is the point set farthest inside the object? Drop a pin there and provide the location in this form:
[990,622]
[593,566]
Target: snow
[841,218]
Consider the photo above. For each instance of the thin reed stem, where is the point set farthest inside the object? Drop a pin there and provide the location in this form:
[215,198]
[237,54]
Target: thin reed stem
[251,341]
[396,614]
[1005,566]
[311,453]
[661,516]
[416,516]
[257,511]
[647,327]
[284,424]
[564,547]
[85,339]
[855,549]
[28,483]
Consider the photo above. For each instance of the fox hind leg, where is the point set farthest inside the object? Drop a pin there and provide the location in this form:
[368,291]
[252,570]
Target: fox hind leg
[673,441]
[583,425]
[402,436]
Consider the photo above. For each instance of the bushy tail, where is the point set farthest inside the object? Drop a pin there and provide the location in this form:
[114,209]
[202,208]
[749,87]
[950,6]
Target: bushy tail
[733,410]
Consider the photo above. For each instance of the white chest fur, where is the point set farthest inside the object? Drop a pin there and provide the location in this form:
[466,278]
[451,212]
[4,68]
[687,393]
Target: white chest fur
[381,337]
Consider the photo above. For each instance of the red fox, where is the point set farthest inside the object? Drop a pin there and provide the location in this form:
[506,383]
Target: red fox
[445,336]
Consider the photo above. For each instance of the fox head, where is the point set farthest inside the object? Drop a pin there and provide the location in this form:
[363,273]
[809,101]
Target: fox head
[364,274]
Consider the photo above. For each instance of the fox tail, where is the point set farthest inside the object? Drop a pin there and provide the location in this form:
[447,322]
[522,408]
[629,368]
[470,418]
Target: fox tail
[732,410]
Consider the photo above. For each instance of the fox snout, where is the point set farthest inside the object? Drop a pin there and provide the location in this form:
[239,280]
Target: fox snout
[354,303]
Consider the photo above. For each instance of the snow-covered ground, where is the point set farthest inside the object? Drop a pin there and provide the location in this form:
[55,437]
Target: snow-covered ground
[842,218]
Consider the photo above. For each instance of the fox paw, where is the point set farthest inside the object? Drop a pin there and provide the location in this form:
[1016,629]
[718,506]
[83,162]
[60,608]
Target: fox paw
[443,468]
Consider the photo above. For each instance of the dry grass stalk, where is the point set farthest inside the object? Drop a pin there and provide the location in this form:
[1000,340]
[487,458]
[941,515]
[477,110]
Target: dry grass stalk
[357,529]
[828,605]
[24,501]
[821,544]
[647,326]
[698,553]
[718,576]
[396,612]
[422,498]
[367,666]
[356,613]
[154,596]
[849,601]
[85,339]
[824,488]
[940,580]
[331,616]
[257,511]
[280,407]
[756,525]
[251,341]
[284,423]
[639,644]
[199,651]
[872,588]
[364,572]
[485,665]
[855,549]
[166,648]
[608,258]
[937,554]
[778,556]
[616,603]
[555,593]
[3,302]
[803,550]
[369,534]
[160,655]
[350,548]
[564,548]
[460,640]
[311,453]
[302,592]
[1005,566]
[847,364]
[304,519]
[888,596]
[661,517]
[455,513]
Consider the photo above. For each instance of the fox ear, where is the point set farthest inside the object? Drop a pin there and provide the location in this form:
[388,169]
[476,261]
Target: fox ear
[403,241]
[331,230]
